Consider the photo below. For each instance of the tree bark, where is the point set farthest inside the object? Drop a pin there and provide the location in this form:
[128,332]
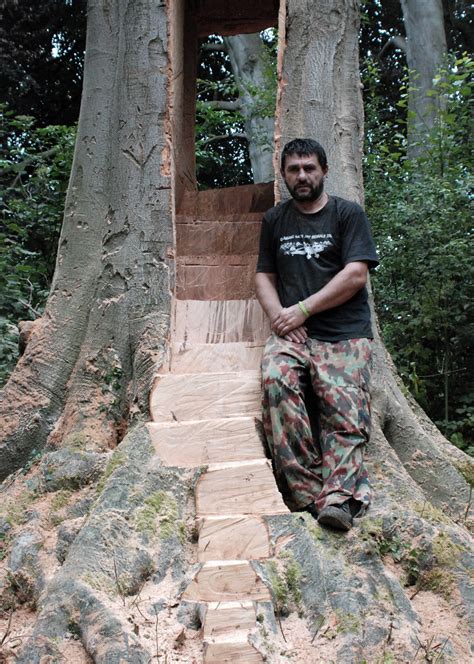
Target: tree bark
[248,66]
[425,49]
[92,357]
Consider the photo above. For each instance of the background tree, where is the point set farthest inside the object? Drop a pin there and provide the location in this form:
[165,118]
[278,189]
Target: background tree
[34,172]
[235,110]
[41,58]
[420,210]
[384,43]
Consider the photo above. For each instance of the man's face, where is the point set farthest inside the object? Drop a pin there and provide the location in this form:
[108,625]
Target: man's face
[304,177]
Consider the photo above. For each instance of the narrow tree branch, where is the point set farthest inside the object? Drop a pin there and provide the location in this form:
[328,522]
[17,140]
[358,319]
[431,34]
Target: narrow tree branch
[214,47]
[28,306]
[223,105]
[224,137]
[397,41]
[29,160]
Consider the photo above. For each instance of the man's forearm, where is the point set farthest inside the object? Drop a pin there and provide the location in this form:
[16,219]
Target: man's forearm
[267,294]
[344,285]
[340,289]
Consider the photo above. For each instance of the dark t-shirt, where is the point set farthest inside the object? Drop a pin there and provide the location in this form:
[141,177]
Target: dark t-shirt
[306,251]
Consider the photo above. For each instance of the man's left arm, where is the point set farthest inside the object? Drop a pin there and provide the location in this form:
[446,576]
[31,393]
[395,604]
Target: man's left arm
[341,288]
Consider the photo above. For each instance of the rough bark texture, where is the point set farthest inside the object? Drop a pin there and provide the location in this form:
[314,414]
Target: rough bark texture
[425,48]
[321,88]
[94,570]
[92,356]
[248,66]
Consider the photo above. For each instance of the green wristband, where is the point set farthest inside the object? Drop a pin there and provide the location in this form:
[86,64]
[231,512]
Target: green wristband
[303,309]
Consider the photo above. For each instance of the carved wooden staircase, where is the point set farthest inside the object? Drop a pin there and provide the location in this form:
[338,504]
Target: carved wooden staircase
[204,411]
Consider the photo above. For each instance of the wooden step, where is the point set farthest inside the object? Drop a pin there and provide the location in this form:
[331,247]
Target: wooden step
[239,489]
[214,203]
[211,322]
[231,653]
[201,358]
[226,581]
[220,218]
[225,618]
[191,444]
[217,237]
[205,396]
[215,277]
[233,538]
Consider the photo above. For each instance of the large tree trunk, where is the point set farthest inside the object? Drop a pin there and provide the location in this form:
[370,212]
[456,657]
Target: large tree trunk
[248,66]
[107,566]
[91,358]
[425,49]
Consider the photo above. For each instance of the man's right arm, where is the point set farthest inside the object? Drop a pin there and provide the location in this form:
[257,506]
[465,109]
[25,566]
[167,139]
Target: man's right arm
[267,295]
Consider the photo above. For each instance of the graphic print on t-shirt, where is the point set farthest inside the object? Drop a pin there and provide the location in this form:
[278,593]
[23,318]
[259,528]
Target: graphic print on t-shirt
[305,245]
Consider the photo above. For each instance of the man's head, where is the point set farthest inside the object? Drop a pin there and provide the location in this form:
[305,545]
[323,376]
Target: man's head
[303,167]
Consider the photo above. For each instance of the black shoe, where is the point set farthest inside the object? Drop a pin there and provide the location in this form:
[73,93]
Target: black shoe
[311,508]
[337,516]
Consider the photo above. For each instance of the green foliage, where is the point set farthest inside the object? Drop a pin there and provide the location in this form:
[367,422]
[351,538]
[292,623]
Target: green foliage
[285,578]
[34,173]
[159,511]
[421,216]
[264,97]
[222,158]
[221,151]
[41,59]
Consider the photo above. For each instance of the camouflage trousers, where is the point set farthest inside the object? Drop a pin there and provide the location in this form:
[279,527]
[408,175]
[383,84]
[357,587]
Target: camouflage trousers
[330,470]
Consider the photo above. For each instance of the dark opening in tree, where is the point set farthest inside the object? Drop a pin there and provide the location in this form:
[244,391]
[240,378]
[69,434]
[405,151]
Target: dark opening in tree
[235,109]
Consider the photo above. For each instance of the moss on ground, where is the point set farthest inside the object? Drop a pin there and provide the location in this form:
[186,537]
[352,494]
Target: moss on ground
[347,622]
[160,510]
[286,583]
[438,580]
[76,441]
[14,510]
[431,513]
[118,459]
[467,471]
[445,550]
[102,583]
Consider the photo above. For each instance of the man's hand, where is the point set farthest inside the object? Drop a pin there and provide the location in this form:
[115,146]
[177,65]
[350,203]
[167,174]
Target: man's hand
[288,323]
[298,335]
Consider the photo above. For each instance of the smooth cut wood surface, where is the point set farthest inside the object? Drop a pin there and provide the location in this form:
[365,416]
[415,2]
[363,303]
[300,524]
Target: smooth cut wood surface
[217,237]
[233,538]
[190,444]
[243,200]
[219,321]
[231,653]
[227,617]
[215,278]
[205,396]
[242,489]
[191,357]
[225,582]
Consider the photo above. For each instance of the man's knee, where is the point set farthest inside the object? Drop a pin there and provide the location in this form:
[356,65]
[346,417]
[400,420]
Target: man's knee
[282,378]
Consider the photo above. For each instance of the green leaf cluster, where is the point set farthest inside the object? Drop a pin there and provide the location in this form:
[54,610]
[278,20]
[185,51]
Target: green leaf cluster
[222,157]
[421,214]
[35,163]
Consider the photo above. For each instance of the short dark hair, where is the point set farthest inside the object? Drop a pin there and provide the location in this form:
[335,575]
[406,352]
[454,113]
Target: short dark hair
[304,147]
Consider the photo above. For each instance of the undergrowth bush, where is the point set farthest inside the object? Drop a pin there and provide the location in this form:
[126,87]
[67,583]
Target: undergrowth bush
[34,172]
[420,211]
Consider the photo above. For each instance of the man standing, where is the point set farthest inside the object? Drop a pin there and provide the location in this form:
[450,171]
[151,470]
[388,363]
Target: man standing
[315,251]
